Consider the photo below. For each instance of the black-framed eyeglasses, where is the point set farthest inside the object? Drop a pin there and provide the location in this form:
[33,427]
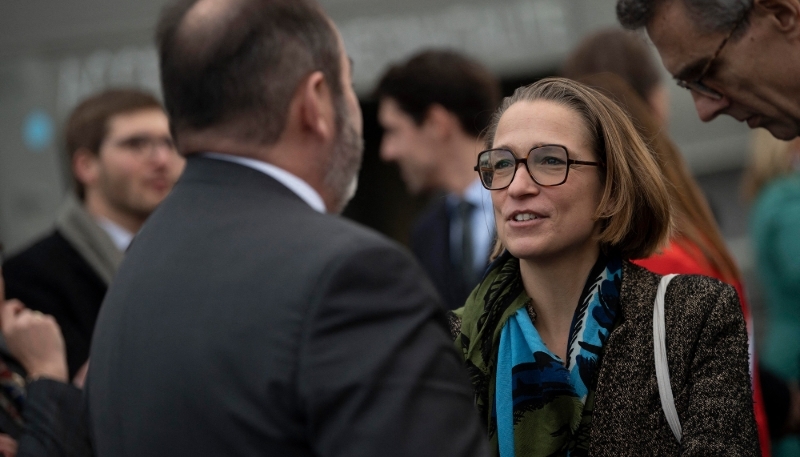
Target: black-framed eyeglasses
[548,165]
[141,144]
[696,85]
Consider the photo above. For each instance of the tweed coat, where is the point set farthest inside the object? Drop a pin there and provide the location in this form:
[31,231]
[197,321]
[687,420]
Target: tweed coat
[707,351]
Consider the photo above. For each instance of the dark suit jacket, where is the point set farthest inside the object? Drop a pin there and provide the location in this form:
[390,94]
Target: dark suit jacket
[55,421]
[53,417]
[430,243]
[52,277]
[242,322]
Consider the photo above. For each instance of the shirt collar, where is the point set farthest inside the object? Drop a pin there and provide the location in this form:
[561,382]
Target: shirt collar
[121,237]
[476,194]
[295,184]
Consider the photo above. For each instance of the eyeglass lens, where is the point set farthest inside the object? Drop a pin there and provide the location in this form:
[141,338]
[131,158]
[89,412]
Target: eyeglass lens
[143,143]
[547,165]
[700,88]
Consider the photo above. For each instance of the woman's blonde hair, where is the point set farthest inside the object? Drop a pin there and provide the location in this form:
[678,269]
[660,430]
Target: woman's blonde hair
[635,207]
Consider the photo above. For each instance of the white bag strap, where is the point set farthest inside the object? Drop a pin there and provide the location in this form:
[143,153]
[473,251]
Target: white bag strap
[662,367]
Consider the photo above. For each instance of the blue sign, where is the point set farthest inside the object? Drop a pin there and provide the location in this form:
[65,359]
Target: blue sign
[38,130]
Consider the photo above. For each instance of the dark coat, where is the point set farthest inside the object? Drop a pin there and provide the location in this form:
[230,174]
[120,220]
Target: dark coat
[707,351]
[430,243]
[242,322]
[53,416]
[51,276]
[55,421]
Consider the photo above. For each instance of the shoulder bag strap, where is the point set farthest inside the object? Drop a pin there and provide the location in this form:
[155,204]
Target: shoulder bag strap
[662,367]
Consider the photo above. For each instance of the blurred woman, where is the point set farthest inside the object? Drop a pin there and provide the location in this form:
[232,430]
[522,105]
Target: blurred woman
[772,183]
[558,337]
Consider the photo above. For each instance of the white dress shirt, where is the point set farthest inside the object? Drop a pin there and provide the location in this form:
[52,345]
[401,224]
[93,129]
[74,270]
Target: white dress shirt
[121,237]
[295,184]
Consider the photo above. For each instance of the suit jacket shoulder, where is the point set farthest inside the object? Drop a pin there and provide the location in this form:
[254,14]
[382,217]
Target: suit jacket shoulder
[707,352]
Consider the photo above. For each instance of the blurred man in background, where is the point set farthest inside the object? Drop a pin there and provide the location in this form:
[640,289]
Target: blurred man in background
[740,58]
[124,163]
[248,318]
[434,108]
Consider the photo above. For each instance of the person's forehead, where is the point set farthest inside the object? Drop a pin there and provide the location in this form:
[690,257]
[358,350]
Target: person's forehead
[680,42]
[138,120]
[389,111]
[530,123]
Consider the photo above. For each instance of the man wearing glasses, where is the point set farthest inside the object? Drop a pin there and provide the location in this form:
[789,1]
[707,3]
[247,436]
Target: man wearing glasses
[124,163]
[737,57]
[740,58]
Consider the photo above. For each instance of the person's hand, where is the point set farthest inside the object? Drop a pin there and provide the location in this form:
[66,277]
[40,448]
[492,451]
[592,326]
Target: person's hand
[8,446]
[80,377]
[35,340]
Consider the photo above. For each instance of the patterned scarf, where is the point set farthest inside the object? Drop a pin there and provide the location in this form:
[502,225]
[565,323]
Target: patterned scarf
[533,403]
[12,393]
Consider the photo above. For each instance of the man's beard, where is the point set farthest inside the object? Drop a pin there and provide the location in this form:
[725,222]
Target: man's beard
[345,161]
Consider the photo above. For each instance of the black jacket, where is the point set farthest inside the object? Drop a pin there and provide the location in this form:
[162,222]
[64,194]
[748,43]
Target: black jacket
[52,277]
[242,322]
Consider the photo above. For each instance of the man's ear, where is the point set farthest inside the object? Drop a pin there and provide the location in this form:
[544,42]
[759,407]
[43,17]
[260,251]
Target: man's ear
[85,166]
[440,122]
[317,113]
[784,14]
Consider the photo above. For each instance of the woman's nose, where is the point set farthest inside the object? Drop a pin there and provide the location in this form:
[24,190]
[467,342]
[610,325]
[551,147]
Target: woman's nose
[523,183]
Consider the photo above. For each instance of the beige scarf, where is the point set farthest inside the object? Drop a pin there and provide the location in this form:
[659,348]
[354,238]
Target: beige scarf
[88,238]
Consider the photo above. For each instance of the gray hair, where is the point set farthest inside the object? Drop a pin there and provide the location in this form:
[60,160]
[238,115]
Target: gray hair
[238,63]
[709,15]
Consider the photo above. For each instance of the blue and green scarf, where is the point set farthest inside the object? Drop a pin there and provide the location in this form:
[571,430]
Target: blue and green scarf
[533,403]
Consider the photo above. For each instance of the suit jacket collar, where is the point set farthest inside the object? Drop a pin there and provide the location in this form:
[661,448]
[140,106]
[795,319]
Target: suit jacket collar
[294,183]
[89,239]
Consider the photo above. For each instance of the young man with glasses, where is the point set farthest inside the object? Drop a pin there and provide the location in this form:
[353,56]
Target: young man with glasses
[123,163]
[740,58]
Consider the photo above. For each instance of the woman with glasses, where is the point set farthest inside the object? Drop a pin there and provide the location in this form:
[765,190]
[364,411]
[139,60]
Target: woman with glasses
[559,336]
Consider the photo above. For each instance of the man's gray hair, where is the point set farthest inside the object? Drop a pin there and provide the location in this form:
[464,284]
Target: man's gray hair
[239,63]
[709,15]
